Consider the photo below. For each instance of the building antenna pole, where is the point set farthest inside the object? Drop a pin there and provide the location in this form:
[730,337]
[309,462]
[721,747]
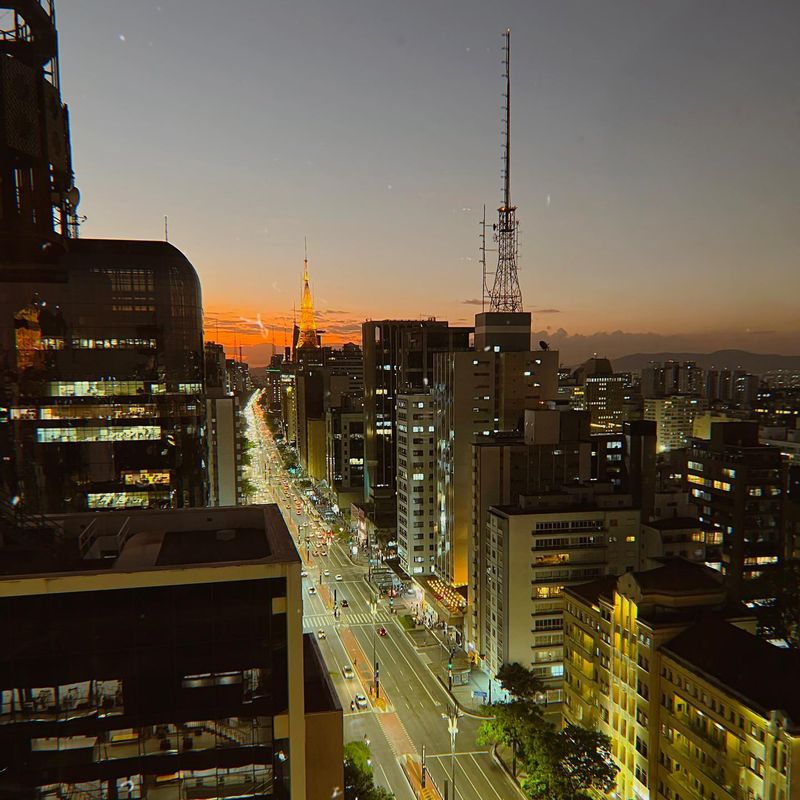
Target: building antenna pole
[166,228]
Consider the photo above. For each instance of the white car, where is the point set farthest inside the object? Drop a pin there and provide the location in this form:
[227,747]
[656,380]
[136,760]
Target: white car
[321,634]
[339,578]
[348,673]
[303,574]
[312,589]
[326,573]
[361,701]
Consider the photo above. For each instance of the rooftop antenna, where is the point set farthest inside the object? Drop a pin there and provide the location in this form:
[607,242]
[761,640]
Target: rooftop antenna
[505,294]
[166,228]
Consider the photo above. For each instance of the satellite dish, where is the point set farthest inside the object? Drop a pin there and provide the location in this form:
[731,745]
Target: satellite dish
[73,197]
[543,344]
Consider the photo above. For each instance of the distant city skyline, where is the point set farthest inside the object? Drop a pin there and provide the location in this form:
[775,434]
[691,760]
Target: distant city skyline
[656,160]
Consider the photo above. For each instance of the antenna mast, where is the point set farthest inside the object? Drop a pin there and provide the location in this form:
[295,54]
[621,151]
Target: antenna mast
[505,294]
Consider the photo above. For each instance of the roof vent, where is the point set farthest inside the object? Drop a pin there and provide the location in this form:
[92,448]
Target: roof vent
[226,535]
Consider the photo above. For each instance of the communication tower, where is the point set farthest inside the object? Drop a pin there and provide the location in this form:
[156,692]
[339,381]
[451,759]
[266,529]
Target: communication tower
[505,294]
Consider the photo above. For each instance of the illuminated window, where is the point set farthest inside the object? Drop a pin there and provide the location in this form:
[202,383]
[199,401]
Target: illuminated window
[125,499]
[146,477]
[122,433]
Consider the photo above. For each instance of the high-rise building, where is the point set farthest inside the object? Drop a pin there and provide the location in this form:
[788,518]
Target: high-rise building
[416,486]
[101,370]
[344,430]
[674,416]
[101,343]
[736,487]
[398,359]
[554,450]
[695,705]
[672,377]
[159,656]
[478,393]
[533,549]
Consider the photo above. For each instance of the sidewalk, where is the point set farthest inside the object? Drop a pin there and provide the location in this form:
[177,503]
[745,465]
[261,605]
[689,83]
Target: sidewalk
[437,655]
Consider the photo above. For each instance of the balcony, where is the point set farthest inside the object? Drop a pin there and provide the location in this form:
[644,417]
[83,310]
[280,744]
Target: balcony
[698,730]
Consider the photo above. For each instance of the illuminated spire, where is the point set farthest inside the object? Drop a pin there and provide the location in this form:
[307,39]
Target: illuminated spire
[308,328]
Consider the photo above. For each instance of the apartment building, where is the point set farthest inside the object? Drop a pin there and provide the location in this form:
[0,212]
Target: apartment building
[476,394]
[533,550]
[674,417]
[416,487]
[695,704]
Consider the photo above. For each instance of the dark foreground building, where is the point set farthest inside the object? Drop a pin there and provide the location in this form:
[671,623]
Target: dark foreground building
[101,343]
[160,656]
[101,379]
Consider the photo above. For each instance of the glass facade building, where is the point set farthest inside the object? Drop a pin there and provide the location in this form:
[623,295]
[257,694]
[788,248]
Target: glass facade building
[158,660]
[101,379]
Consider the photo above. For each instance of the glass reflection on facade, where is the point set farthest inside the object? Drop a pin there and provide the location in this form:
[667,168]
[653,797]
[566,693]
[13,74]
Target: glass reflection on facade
[101,378]
[167,693]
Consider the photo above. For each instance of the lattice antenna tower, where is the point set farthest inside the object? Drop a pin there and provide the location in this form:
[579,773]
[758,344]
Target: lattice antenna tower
[505,294]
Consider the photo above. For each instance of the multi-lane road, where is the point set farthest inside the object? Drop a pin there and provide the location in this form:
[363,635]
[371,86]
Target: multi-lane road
[408,712]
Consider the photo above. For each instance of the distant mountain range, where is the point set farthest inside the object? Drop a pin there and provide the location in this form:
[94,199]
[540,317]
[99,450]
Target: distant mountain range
[757,363]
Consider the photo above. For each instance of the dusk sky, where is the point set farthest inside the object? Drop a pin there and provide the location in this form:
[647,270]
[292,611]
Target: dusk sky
[656,159]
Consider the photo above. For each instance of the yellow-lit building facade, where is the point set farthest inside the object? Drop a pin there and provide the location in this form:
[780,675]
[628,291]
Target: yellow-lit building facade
[696,706]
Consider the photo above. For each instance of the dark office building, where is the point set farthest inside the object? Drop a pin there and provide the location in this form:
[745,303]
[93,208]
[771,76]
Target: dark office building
[735,484]
[162,659]
[101,347]
[398,359]
[101,379]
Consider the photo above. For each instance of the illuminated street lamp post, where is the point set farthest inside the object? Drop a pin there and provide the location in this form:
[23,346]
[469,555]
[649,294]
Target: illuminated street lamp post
[452,716]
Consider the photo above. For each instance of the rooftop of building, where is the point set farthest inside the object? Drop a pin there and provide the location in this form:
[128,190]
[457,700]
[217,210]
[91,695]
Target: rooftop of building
[571,498]
[318,691]
[135,541]
[674,576]
[592,591]
[677,576]
[678,524]
[747,666]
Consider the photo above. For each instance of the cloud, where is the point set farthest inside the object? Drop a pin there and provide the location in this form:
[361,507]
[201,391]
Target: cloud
[334,311]
[546,311]
[473,302]
[759,333]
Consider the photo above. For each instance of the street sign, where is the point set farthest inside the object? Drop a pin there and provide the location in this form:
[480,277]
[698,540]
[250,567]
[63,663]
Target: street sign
[480,694]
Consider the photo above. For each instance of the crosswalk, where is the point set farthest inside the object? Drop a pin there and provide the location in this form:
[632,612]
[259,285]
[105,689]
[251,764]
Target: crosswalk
[314,621]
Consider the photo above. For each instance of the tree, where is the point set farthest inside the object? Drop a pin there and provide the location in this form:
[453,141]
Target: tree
[358,777]
[569,764]
[519,681]
[514,725]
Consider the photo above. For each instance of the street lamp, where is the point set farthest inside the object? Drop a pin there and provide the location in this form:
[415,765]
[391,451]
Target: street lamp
[452,716]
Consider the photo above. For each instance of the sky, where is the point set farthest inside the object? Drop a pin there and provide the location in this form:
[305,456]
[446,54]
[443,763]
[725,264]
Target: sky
[655,159]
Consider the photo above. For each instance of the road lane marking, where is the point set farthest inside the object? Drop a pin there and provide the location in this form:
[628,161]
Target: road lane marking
[481,770]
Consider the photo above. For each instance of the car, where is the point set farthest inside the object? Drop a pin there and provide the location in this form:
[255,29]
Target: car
[312,590]
[382,631]
[321,634]
[303,573]
[339,578]
[348,673]
[345,604]
[323,552]
[326,573]
[361,701]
